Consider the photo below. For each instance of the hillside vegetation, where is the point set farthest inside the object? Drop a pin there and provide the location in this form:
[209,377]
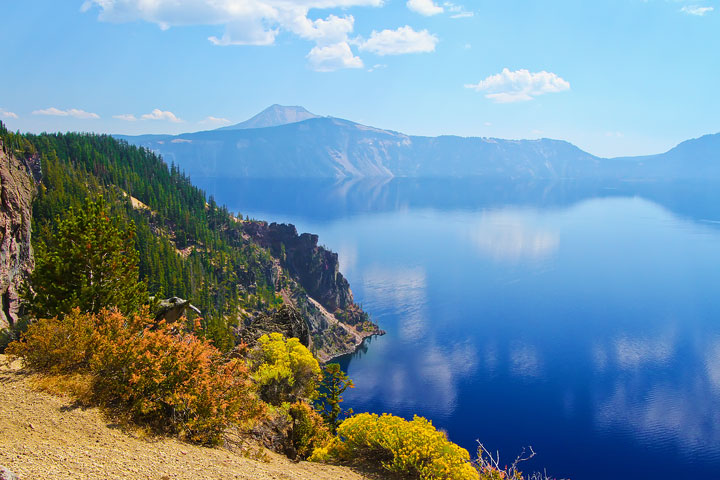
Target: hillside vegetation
[233,269]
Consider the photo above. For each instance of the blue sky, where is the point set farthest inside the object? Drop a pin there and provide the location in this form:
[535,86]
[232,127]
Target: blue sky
[615,77]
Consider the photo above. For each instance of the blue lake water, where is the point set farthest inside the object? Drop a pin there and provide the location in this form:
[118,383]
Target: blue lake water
[581,319]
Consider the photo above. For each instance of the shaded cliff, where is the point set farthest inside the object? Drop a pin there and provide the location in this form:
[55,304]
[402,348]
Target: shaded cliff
[336,324]
[17,190]
[316,268]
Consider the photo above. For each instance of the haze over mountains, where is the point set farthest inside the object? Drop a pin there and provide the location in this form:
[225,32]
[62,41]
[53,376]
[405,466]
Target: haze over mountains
[291,142]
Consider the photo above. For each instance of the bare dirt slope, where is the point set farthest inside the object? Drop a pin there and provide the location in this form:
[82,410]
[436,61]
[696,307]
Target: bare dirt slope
[47,437]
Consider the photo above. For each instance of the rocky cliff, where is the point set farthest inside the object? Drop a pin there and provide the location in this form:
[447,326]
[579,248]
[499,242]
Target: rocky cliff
[17,190]
[336,324]
[316,268]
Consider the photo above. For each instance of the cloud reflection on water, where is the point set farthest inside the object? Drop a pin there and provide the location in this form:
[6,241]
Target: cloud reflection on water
[507,235]
[662,408]
[403,291]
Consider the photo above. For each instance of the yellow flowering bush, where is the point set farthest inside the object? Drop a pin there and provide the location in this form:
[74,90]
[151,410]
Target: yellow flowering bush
[283,370]
[409,447]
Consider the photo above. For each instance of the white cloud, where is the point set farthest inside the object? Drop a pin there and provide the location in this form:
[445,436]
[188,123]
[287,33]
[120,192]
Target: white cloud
[215,121]
[424,7]
[249,22]
[519,86]
[7,114]
[128,117]
[158,114]
[73,112]
[333,57]
[377,66]
[696,10]
[397,42]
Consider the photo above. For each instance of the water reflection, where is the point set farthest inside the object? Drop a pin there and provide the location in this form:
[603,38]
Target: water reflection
[580,319]
[402,291]
[524,360]
[505,235]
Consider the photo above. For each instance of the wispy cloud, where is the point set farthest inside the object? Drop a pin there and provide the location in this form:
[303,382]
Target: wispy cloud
[424,7]
[7,114]
[215,121]
[128,117]
[397,42]
[158,114]
[458,11]
[696,10]
[519,86]
[73,112]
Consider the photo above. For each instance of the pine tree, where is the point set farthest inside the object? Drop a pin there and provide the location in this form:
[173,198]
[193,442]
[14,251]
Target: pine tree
[333,385]
[90,262]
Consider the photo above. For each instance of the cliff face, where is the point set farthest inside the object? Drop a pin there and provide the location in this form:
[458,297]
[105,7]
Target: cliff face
[336,324]
[315,268]
[17,190]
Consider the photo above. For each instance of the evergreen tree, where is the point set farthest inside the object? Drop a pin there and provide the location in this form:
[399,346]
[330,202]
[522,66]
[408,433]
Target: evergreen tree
[90,262]
[333,385]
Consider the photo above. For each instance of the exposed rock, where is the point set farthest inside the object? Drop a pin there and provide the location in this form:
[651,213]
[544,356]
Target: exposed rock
[286,320]
[173,308]
[6,474]
[314,267]
[17,190]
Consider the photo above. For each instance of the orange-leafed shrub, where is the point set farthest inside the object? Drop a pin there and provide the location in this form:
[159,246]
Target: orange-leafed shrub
[307,429]
[168,379]
[57,346]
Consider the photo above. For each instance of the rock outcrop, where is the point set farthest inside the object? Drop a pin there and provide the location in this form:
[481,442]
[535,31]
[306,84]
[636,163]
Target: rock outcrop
[336,324]
[314,267]
[17,190]
[286,320]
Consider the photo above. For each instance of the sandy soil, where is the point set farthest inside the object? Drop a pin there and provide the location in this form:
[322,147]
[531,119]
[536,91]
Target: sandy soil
[46,437]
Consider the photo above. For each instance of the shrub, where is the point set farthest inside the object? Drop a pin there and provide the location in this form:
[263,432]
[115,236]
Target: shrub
[171,381]
[308,430]
[285,371]
[57,346]
[413,448]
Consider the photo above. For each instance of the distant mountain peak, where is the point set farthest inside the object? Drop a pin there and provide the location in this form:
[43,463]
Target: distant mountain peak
[274,116]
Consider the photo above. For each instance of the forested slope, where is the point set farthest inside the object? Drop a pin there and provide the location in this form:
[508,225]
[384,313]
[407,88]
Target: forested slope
[189,246]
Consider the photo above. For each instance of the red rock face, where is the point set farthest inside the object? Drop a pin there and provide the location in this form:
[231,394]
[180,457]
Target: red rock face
[17,190]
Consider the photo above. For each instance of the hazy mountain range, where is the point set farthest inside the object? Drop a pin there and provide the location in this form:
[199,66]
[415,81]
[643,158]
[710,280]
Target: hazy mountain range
[288,142]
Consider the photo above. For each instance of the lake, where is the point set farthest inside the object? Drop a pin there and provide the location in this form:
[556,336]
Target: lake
[582,319]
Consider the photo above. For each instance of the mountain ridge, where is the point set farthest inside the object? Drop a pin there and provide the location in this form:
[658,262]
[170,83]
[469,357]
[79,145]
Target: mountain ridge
[330,147]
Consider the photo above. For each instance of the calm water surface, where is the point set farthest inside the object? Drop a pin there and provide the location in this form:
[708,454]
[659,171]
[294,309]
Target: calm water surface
[583,320]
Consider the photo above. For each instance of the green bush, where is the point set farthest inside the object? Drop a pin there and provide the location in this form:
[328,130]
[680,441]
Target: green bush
[412,448]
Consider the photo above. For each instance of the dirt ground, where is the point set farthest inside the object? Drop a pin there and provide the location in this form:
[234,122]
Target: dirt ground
[47,437]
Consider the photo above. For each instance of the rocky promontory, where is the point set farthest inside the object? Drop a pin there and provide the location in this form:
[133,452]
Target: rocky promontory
[336,324]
